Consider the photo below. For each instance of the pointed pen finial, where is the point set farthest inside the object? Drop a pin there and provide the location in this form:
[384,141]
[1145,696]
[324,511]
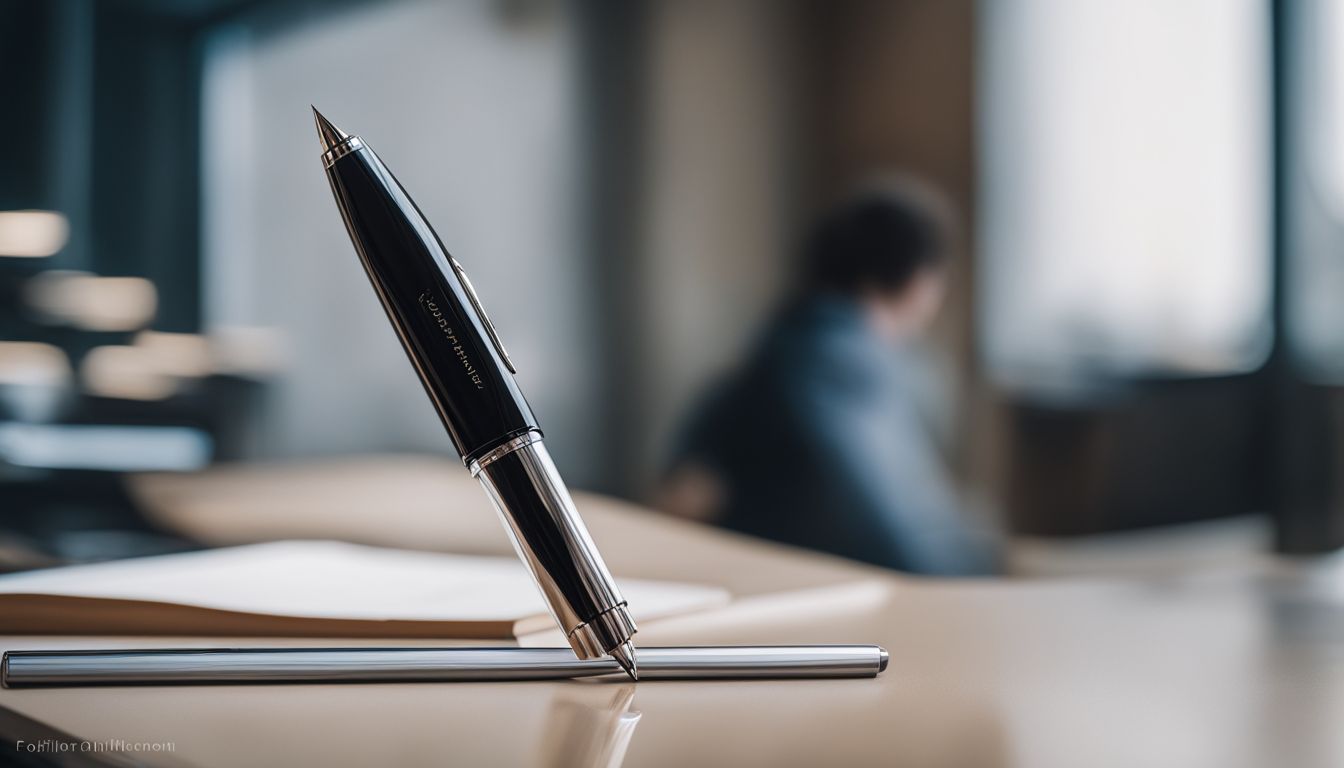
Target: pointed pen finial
[329,134]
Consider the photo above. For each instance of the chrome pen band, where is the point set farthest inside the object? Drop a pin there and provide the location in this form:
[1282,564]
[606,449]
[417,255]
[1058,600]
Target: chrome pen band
[602,632]
[552,541]
[21,669]
[502,450]
[347,146]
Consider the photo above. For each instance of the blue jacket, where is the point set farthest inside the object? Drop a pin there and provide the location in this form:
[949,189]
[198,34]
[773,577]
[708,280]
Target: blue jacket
[818,443]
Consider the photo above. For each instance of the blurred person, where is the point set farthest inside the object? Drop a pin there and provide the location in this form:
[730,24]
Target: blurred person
[816,440]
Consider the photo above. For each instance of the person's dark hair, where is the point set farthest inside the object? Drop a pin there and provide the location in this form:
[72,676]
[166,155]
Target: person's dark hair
[877,241]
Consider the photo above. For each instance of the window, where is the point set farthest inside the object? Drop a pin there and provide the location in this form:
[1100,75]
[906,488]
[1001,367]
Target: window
[1126,188]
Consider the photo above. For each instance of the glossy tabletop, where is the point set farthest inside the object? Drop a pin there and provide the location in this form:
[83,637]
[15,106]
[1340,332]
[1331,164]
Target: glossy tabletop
[1221,669]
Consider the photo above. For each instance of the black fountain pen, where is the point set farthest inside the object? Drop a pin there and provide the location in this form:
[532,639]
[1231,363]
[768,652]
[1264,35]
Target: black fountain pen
[469,378]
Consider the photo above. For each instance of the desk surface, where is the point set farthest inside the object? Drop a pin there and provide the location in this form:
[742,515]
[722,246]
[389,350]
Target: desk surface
[1229,669]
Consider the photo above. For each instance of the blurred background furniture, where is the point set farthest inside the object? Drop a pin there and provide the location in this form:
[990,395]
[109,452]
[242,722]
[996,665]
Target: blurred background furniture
[1143,329]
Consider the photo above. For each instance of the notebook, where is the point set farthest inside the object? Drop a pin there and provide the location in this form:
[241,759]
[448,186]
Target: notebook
[306,589]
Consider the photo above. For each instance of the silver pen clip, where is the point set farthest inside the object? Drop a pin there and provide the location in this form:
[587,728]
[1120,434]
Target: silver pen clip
[480,312]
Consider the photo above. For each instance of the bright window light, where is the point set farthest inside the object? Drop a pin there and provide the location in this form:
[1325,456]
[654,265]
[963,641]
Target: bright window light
[1125,209]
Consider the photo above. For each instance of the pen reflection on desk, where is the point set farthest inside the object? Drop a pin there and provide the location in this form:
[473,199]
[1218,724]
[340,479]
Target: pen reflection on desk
[590,726]
[469,378]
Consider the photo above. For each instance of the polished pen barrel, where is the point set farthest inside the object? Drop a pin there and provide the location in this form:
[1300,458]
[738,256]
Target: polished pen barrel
[468,375]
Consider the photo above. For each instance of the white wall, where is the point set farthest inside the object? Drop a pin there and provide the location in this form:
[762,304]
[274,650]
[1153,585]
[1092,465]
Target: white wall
[718,185]
[473,112]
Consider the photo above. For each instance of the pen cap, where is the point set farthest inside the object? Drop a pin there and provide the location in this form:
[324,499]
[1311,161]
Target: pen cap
[554,544]
[431,304]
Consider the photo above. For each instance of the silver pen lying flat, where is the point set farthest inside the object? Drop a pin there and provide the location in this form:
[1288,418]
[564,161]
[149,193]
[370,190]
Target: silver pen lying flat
[192,666]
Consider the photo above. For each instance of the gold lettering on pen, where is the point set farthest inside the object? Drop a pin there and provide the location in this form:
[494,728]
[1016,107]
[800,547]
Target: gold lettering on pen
[440,320]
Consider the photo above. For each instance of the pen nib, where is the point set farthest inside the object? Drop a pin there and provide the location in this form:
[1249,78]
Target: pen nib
[624,654]
[330,134]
